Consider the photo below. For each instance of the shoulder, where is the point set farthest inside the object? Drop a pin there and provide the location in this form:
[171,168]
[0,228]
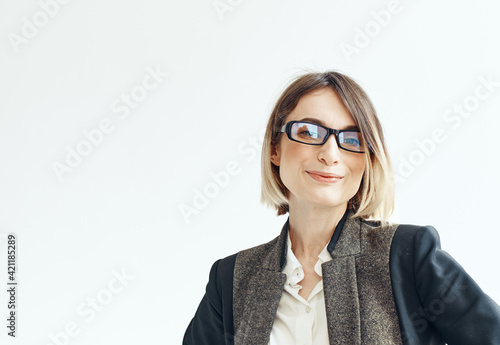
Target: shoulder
[221,277]
[403,235]
[255,254]
[223,269]
[377,235]
[404,241]
[415,239]
[414,249]
[377,227]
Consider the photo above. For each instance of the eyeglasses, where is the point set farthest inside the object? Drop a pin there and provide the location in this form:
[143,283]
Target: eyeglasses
[314,134]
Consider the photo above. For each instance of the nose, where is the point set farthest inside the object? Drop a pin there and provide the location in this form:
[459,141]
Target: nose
[329,152]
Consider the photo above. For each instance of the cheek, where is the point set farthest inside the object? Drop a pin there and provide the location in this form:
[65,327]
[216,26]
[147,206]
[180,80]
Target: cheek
[290,164]
[361,167]
[287,169]
[291,155]
[357,167]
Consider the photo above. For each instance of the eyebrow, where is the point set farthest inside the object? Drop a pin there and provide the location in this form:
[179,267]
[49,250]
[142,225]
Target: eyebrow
[318,121]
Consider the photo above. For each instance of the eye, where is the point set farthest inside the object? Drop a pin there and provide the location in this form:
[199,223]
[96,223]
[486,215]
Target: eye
[307,133]
[352,142]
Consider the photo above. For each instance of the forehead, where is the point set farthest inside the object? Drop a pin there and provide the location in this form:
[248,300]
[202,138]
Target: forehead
[324,105]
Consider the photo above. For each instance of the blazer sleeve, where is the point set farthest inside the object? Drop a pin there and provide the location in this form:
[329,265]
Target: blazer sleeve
[448,302]
[212,323]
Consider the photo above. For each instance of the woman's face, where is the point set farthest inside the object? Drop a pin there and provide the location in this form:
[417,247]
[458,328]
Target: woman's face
[300,164]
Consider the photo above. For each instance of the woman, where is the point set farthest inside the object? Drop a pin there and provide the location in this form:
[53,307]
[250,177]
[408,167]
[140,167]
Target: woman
[332,276]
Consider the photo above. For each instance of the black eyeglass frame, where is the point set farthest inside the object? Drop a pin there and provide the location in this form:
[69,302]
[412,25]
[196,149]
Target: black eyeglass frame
[287,128]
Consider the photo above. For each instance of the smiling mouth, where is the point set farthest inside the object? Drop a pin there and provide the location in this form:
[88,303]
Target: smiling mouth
[324,177]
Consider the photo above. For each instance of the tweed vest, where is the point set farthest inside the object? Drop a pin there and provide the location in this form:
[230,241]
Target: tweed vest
[358,294]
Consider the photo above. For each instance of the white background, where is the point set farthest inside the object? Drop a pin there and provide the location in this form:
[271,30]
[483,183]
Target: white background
[119,208]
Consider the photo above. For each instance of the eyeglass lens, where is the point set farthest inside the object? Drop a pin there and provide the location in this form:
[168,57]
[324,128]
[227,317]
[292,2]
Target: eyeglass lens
[309,133]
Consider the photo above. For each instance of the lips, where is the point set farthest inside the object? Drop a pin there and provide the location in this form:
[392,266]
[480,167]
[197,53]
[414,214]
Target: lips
[324,174]
[324,177]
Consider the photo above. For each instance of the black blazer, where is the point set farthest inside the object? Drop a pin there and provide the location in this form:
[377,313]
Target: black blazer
[387,284]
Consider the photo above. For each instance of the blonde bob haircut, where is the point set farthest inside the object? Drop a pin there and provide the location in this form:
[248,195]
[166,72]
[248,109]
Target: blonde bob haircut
[375,197]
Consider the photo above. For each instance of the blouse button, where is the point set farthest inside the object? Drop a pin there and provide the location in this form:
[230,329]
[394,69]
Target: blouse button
[308,309]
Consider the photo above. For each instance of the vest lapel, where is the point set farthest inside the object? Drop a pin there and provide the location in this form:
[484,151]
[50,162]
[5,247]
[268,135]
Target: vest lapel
[357,286]
[261,307]
[256,296]
[341,287]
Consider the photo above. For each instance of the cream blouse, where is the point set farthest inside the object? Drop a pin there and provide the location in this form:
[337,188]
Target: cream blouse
[299,321]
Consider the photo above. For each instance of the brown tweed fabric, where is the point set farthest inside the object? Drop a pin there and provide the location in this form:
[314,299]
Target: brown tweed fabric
[357,286]
[379,320]
[257,287]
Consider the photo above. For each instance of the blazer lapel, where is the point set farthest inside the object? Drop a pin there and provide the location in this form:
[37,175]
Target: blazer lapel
[341,287]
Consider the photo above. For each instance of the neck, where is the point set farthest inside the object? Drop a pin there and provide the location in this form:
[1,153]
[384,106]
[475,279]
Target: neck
[311,228]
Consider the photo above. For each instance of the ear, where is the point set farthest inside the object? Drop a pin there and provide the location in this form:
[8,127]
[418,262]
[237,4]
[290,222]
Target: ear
[275,155]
